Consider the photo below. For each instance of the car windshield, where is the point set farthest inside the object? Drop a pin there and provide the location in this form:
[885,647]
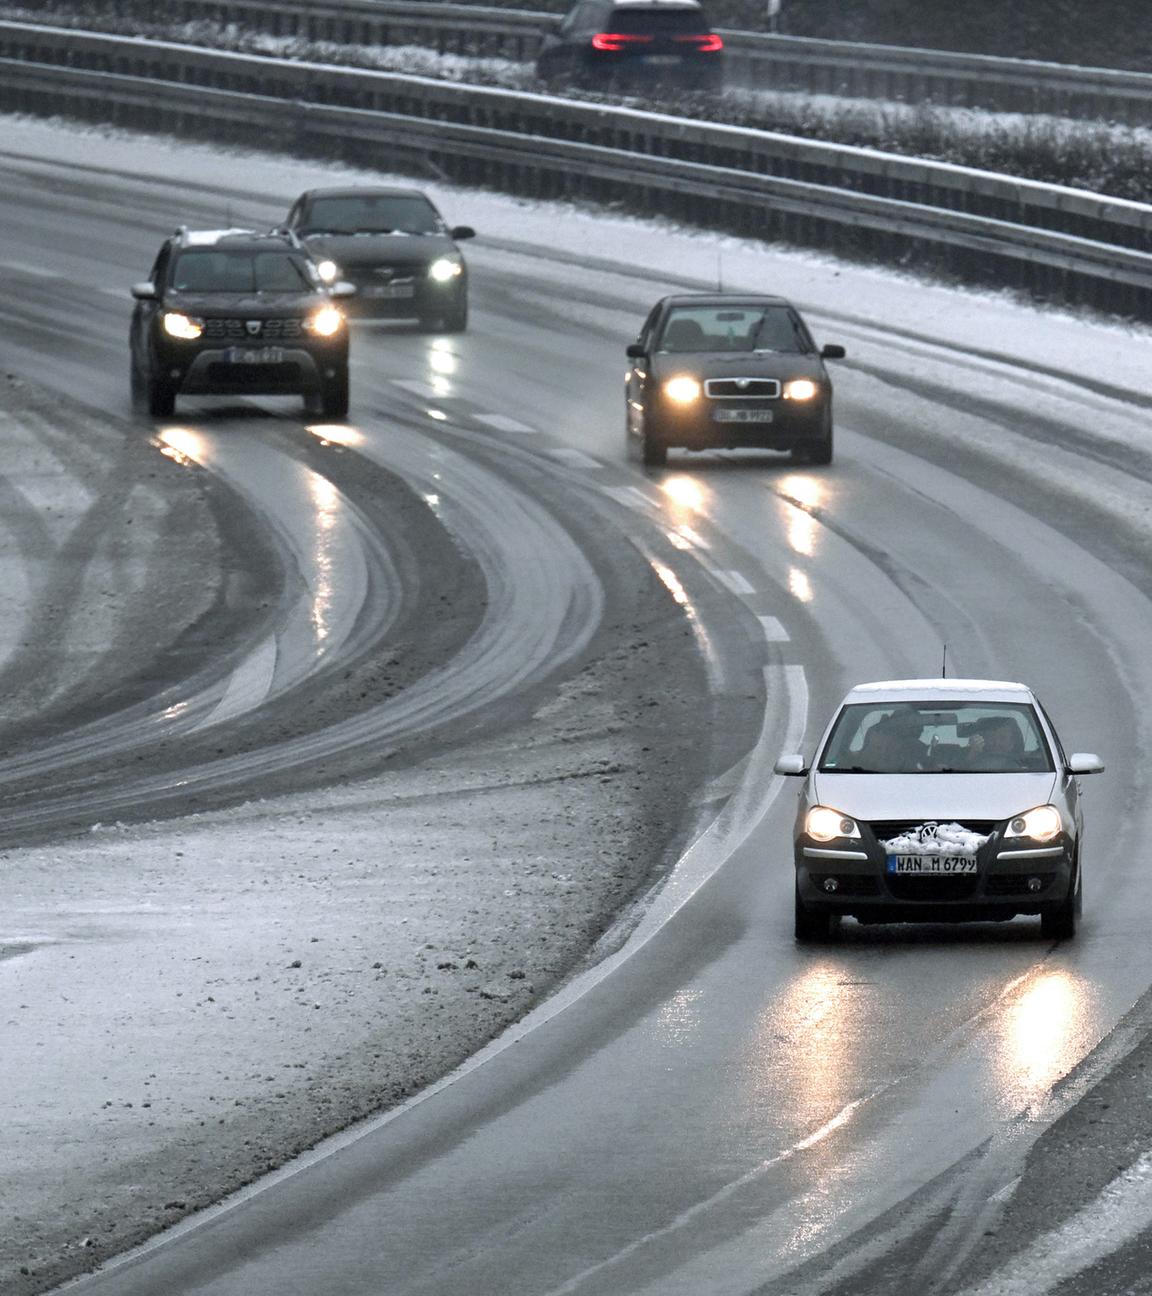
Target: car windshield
[936,737]
[373,214]
[240,271]
[731,328]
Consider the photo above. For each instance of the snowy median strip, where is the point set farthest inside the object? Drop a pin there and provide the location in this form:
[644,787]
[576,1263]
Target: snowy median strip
[1121,1212]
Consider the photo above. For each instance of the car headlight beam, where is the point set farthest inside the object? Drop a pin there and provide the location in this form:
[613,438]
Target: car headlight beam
[445,269]
[682,389]
[326,322]
[1041,823]
[328,271]
[825,824]
[801,389]
[182,326]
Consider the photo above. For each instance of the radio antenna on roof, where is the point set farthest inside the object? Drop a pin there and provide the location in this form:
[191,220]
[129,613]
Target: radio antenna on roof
[719,272]
[944,664]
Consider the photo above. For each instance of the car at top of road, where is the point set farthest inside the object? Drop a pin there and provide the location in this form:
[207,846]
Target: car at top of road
[394,245]
[938,800]
[238,312]
[727,370]
[633,44]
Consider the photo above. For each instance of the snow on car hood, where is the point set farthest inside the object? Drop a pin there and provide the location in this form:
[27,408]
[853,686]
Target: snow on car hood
[942,797]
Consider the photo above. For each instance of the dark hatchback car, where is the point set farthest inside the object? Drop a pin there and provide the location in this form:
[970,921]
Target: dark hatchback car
[394,246]
[633,44]
[236,312]
[723,371]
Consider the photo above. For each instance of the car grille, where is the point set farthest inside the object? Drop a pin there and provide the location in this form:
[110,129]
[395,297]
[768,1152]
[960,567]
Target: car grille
[270,329]
[885,829]
[919,888]
[742,388]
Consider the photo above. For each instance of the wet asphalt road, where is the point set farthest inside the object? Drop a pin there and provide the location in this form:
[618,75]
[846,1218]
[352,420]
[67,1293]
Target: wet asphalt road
[727,1113]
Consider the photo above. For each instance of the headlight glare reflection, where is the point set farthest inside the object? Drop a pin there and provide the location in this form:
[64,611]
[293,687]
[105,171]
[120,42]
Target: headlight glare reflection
[1041,823]
[445,268]
[329,271]
[825,824]
[682,389]
[800,389]
[182,326]
[326,322]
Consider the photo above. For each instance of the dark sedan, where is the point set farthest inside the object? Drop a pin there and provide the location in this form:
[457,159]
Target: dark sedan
[394,246]
[725,371]
[633,45]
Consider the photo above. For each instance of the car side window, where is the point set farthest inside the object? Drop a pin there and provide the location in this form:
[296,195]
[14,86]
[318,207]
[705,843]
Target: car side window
[648,331]
[294,215]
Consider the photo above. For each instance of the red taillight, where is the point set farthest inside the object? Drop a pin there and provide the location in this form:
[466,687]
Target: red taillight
[709,43]
[615,41]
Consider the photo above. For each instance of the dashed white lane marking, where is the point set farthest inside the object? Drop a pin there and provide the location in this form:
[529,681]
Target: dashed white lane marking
[502,423]
[250,684]
[417,386]
[577,458]
[774,632]
[734,581]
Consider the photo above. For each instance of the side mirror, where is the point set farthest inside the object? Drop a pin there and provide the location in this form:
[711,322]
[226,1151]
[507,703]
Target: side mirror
[342,288]
[1085,763]
[636,351]
[461,232]
[833,351]
[793,765]
[144,291]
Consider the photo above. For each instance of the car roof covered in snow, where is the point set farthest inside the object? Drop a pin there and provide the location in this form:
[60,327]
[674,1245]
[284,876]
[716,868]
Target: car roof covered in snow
[933,690]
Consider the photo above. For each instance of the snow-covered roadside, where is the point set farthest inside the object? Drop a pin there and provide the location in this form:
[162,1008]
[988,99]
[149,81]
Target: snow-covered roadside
[186,1003]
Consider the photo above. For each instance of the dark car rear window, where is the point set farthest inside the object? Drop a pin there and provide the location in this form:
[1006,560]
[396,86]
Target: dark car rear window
[658,22]
[208,271]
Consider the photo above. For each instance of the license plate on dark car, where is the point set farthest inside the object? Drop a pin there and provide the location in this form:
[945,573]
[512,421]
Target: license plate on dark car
[742,416]
[255,355]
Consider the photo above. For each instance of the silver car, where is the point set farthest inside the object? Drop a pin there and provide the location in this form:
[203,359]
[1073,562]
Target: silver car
[939,800]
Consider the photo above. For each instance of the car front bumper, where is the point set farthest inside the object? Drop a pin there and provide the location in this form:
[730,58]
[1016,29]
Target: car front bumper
[696,427]
[1011,878]
[294,370]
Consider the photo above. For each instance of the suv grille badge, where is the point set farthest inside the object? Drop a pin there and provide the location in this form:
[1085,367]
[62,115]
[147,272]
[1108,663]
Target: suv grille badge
[253,327]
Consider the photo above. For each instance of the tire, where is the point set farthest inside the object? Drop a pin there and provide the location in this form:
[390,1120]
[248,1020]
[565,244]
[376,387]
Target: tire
[813,926]
[1060,922]
[456,321]
[333,401]
[820,452]
[653,452]
[160,398]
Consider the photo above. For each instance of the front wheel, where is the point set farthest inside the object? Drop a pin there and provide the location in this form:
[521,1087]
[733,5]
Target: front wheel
[333,397]
[813,925]
[1060,923]
[817,452]
[653,451]
[161,399]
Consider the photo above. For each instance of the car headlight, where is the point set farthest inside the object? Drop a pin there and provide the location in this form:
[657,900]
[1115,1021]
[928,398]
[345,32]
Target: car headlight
[800,389]
[1041,823]
[182,326]
[444,269]
[824,824]
[683,390]
[328,271]
[326,322]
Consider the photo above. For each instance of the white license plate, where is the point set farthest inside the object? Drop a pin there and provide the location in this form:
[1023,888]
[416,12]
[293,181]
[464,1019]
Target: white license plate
[932,865]
[661,60]
[742,416]
[390,290]
[255,355]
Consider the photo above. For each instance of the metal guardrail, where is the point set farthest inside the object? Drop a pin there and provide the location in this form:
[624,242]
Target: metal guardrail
[1057,242]
[770,62]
